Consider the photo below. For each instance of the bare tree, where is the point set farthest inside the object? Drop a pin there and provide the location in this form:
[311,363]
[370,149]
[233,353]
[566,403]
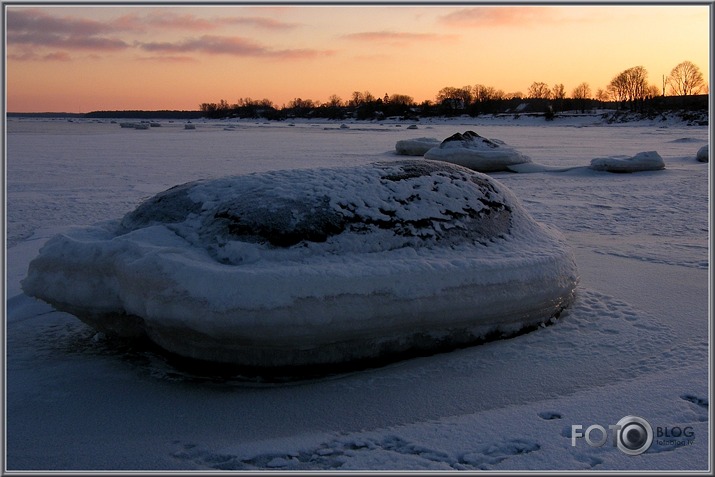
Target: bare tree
[356,99]
[685,79]
[630,85]
[482,93]
[446,93]
[617,89]
[454,99]
[302,103]
[558,91]
[401,99]
[652,91]
[539,90]
[582,93]
[558,94]
[602,95]
[637,82]
[334,101]
[465,93]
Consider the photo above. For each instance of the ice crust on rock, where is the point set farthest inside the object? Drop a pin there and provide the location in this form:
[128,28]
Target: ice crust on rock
[314,266]
[643,161]
[703,153]
[416,147]
[477,153]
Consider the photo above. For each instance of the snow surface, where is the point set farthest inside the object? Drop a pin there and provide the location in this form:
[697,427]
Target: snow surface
[635,341]
[417,146]
[314,266]
[476,152]
[643,161]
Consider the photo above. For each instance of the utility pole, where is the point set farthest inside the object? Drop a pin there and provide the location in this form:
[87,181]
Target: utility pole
[663,85]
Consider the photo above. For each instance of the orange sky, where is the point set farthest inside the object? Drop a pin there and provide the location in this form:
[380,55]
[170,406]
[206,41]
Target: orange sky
[102,57]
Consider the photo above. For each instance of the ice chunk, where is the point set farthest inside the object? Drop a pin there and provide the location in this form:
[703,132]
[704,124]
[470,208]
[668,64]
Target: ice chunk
[314,266]
[415,147]
[702,154]
[643,161]
[476,152]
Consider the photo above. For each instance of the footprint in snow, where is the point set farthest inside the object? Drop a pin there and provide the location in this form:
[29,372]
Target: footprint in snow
[702,402]
[492,454]
[549,415]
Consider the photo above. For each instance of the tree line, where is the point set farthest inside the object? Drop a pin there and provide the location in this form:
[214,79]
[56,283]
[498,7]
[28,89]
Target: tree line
[628,89]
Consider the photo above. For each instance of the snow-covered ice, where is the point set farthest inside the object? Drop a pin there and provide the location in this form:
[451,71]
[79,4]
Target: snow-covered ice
[471,150]
[634,342]
[417,146]
[702,154]
[643,161]
[314,266]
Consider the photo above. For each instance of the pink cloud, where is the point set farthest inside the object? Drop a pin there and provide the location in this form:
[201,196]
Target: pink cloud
[30,30]
[235,46]
[23,56]
[34,28]
[28,55]
[490,16]
[167,19]
[188,22]
[397,38]
[53,40]
[57,56]
[209,44]
[167,59]
[35,20]
[268,23]
[131,22]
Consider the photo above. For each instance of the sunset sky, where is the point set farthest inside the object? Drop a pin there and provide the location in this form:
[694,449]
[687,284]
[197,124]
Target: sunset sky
[102,57]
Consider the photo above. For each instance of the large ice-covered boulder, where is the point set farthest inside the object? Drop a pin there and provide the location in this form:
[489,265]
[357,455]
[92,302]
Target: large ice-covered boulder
[643,161]
[703,153]
[415,147]
[314,266]
[477,153]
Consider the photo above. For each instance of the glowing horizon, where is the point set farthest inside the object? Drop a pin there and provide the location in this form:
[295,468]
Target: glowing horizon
[102,57]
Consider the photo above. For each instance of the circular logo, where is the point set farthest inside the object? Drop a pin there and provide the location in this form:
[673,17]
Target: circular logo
[634,435]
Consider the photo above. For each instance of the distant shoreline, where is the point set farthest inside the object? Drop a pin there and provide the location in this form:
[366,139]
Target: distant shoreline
[607,116]
[518,106]
[131,114]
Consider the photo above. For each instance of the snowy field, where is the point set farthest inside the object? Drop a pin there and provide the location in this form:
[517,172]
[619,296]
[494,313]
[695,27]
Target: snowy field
[635,342]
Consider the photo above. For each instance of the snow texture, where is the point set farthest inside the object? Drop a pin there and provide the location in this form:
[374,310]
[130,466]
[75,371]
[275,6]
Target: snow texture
[643,161]
[703,153]
[476,152]
[415,147]
[314,266]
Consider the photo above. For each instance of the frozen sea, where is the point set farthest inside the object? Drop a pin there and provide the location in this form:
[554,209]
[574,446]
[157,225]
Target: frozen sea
[635,342]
